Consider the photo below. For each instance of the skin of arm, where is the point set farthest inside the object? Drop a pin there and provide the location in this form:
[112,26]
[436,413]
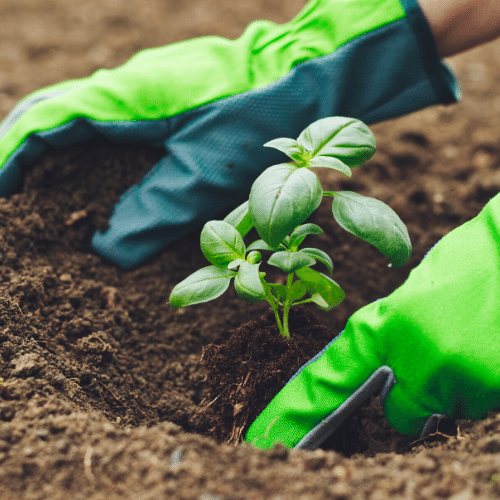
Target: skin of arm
[459,25]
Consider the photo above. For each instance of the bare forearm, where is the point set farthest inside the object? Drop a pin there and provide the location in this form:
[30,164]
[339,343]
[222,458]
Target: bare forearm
[459,25]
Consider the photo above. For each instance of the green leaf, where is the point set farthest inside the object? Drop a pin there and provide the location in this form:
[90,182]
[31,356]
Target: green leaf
[240,219]
[289,262]
[279,291]
[288,146]
[254,257]
[317,254]
[330,162]
[221,243]
[320,302]
[205,284]
[235,264]
[281,198]
[262,245]
[247,283]
[298,235]
[328,290]
[347,139]
[299,289]
[375,222]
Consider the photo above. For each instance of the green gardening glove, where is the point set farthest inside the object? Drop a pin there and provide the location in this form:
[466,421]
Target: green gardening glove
[432,347]
[212,103]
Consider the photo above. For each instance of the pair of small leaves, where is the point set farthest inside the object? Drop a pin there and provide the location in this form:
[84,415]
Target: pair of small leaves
[336,142]
[223,246]
[211,282]
[286,255]
[290,262]
[297,291]
[325,292]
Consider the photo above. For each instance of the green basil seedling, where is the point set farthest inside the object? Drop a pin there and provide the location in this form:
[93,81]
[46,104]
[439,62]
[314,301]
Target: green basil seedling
[280,201]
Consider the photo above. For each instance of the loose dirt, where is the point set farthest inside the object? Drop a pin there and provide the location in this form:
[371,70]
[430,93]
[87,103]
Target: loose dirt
[102,387]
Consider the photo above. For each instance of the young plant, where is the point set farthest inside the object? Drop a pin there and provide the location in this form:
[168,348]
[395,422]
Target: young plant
[281,199]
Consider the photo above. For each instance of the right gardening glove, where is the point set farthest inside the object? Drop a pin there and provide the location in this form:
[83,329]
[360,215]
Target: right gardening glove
[432,348]
[212,103]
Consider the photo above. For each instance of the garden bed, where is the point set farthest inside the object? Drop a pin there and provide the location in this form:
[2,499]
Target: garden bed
[103,386]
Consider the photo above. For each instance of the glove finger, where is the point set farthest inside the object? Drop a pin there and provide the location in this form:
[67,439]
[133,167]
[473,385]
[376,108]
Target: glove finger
[209,168]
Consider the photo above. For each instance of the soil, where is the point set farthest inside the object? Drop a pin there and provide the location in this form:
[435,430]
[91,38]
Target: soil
[103,389]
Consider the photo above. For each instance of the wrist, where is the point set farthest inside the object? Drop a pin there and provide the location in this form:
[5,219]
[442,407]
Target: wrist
[460,25]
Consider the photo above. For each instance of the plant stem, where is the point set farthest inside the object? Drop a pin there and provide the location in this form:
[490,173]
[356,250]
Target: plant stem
[302,302]
[287,305]
[274,306]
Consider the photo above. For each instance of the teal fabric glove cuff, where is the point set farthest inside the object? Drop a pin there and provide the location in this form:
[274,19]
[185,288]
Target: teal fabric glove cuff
[212,104]
[437,334]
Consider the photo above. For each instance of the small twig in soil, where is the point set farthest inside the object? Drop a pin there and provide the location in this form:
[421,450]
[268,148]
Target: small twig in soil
[236,434]
[437,433]
[244,382]
[213,401]
[113,394]
[87,464]
[434,434]
[76,216]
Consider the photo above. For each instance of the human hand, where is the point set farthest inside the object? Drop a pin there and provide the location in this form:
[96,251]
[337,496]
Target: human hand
[212,103]
[431,347]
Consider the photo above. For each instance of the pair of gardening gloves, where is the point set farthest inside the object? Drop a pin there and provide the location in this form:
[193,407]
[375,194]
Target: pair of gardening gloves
[432,347]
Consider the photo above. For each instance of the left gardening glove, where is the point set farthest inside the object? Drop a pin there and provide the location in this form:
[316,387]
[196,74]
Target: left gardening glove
[432,348]
[212,103]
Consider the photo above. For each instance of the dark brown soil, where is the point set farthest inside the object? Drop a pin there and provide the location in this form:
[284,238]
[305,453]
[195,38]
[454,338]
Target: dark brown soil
[101,384]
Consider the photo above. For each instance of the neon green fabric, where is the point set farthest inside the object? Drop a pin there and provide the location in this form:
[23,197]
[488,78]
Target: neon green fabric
[163,82]
[439,333]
